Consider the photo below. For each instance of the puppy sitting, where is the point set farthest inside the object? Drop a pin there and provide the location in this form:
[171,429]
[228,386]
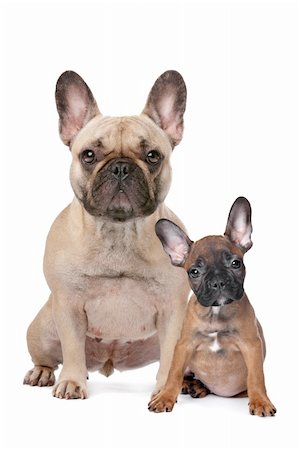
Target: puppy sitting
[222,342]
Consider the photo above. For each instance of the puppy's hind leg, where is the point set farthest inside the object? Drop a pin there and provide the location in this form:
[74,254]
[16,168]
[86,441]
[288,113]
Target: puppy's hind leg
[194,387]
[44,348]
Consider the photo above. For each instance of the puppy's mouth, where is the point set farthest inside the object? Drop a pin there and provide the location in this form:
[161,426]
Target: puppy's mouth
[222,299]
[219,302]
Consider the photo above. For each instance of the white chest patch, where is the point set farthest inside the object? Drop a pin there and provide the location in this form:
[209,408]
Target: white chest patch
[214,347]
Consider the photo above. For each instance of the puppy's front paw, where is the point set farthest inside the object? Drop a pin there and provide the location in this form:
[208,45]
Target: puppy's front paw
[261,406]
[70,390]
[162,402]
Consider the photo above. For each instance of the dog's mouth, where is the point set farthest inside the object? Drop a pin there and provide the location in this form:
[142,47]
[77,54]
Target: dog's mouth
[120,200]
[120,207]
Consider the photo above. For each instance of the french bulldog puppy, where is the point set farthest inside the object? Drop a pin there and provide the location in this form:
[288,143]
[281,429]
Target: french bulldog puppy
[115,301]
[222,342]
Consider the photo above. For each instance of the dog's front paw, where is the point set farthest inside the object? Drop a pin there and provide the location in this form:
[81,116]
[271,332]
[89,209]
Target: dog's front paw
[69,389]
[261,406]
[40,376]
[162,402]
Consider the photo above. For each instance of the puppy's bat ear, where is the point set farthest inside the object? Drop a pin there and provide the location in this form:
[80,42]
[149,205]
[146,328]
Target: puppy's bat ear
[174,240]
[166,104]
[75,105]
[239,227]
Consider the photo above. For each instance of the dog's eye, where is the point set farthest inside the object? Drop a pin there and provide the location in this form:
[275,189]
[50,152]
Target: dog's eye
[236,264]
[88,157]
[194,273]
[153,157]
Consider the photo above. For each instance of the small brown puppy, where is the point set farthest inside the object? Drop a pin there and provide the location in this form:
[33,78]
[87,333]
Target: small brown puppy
[222,342]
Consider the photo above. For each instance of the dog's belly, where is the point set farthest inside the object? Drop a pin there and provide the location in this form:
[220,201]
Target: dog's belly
[122,309]
[221,368]
[106,355]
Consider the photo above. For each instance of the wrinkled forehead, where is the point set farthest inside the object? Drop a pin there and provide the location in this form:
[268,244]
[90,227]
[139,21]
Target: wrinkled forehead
[121,134]
[212,249]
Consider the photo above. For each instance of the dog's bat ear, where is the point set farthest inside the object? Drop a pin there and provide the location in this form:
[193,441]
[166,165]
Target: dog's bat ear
[166,104]
[75,105]
[174,240]
[239,227]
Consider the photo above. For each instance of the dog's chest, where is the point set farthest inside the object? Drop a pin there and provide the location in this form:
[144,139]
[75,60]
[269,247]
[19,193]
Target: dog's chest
[118,308]
[122,299]
[123,282]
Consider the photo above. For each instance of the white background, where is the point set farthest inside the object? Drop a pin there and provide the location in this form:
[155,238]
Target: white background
[240,63]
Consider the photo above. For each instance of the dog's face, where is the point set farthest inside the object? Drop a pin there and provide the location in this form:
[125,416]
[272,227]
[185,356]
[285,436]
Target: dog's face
[215,263]
[121,166]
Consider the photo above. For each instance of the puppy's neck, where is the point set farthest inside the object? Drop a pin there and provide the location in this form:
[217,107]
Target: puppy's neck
[221,313]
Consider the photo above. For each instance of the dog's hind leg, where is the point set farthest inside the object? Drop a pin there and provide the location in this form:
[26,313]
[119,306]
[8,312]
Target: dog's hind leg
[44,348]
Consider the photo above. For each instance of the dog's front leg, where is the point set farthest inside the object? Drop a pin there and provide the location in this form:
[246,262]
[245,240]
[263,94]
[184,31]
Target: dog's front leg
[71,323]
[259,403]
[169,327]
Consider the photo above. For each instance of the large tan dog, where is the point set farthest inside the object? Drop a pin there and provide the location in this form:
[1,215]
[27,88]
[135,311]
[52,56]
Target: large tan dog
[115,301]
[222,342]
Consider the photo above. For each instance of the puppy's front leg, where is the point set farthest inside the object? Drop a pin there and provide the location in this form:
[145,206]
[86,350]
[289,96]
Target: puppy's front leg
[71,323]
[166,398]
[259,403]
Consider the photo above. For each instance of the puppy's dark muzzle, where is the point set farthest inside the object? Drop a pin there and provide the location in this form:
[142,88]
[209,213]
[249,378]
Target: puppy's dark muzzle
[218,289]
[218,283]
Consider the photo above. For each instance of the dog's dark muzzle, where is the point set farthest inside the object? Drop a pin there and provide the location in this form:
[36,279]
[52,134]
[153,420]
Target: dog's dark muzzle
[121,169]
[120,191]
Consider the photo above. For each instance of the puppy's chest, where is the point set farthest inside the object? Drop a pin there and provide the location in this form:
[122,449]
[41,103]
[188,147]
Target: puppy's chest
[216,338]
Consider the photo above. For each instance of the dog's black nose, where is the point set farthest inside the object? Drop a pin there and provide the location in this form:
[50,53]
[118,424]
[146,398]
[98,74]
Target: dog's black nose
[121,169]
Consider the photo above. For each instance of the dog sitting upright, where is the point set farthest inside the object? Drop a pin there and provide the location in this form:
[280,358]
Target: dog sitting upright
[222,342]
[115,301]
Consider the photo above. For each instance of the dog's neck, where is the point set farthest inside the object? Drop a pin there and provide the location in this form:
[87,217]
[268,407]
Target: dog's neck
[103,228]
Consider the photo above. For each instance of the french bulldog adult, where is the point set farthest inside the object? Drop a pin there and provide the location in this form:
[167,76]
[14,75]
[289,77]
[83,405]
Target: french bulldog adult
[222,342]
[115,301]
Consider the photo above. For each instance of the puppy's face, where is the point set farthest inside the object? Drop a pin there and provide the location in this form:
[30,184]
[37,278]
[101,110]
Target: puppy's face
[216,271]
[121,166]
[215,263]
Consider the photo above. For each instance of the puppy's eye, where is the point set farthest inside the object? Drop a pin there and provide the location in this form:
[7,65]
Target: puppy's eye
[153,157]
[236,264]
[194,273]
[88,157]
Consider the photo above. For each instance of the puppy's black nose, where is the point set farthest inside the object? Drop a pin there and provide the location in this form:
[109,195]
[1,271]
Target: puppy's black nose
[121,169]
[217,283]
